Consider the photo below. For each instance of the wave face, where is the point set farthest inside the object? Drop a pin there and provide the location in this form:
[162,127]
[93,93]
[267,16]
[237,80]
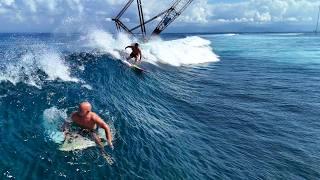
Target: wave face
[193,115]
[43,77]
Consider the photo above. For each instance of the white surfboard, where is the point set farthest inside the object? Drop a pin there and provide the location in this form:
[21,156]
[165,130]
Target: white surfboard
[75,141]
[124,60]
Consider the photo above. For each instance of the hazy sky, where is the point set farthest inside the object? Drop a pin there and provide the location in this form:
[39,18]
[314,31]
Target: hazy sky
[201,16]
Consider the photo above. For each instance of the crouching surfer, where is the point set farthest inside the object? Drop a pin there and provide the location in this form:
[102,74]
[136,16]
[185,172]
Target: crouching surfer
[89,122]
[136,53]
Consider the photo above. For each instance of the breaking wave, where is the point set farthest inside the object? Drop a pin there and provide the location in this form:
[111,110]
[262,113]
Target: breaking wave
[185,51]
[35,65]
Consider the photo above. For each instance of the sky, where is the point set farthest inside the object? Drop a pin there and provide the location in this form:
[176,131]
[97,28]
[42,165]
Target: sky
[201,15]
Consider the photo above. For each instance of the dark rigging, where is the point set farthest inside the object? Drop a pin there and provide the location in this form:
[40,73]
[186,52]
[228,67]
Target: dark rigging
[169,15]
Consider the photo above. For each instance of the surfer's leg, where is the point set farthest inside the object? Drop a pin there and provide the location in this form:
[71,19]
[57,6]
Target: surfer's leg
[135,59]
[130,56]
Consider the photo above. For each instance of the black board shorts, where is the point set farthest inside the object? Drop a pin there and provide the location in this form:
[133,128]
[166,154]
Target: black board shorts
[82,131]
[133,55]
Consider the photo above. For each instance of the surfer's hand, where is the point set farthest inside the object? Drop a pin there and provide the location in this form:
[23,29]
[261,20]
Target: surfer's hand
[111,145]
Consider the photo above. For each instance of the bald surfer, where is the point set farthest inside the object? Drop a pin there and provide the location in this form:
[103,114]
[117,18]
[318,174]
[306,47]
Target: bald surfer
[136,52]
[89,122]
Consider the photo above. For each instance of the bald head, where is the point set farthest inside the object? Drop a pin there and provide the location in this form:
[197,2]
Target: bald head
[84,108]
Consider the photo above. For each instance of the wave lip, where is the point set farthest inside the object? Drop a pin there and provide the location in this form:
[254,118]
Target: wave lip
[35,66]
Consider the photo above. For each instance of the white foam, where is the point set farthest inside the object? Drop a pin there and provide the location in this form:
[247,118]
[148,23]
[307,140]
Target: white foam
[219,35]
[54,67]
[189,50]
[81,68]
[25,68]
[185,51]
[8,175]
[230,34]
[53,119]
[3,96]
[87,86]
[107,43]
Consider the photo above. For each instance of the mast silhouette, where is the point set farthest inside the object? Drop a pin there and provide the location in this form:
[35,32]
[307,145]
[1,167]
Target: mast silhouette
[168,16]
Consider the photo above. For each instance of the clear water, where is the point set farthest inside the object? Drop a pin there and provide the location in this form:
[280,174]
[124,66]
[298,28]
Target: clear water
[254,114]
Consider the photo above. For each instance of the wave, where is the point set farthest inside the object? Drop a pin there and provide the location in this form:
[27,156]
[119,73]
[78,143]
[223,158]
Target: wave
[36,63]
[185,51]
[106,42]
[230,34]
[34,66]
[219,35]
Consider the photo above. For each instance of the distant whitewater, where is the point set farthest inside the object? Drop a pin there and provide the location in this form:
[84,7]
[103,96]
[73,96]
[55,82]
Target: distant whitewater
[185,51]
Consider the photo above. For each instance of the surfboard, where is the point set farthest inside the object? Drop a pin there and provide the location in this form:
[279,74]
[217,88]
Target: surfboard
[53,120]
[75,141]
[137,68]
[134,67]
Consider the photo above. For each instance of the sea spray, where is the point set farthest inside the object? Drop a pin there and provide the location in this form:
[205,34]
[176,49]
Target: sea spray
[35,65]
[53,119]
[106,42]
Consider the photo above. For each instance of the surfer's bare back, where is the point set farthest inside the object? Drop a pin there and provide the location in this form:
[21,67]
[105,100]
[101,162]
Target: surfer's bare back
[89,121]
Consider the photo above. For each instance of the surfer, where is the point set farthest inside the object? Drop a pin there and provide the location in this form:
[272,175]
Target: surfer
[89,122]
[136,52]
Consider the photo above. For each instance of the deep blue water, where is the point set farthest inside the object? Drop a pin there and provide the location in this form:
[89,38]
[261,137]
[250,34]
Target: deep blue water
[252,115]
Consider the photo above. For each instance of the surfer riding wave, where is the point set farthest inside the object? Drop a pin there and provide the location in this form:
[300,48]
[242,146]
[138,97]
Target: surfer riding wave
[88,122]
[136,52]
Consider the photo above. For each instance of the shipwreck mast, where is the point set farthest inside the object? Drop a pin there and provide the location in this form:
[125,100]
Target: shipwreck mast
[121,26]
[170,15]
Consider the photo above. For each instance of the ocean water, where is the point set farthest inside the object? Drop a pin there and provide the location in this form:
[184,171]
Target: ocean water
[211,106]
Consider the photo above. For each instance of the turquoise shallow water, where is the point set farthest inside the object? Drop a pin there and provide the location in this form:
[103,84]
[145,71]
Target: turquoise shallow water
[252,115]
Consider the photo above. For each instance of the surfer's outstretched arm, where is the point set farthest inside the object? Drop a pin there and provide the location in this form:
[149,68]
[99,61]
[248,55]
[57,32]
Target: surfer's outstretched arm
[128,47]
[103,125]
[97,139]
[104,154]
